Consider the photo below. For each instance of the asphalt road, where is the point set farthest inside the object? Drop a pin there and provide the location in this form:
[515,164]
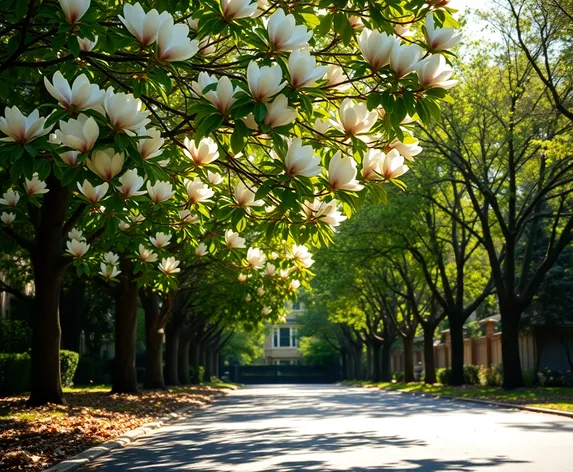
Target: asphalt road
[328,428]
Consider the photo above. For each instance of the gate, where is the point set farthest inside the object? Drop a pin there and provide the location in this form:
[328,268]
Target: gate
[284,374]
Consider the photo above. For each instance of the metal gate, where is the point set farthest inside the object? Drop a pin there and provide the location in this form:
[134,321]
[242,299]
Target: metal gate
[284,374]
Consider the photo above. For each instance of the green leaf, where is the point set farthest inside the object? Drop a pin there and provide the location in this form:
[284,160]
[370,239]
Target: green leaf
[74,46]
[208,125]
[43,168]
[260,112]
[325,25]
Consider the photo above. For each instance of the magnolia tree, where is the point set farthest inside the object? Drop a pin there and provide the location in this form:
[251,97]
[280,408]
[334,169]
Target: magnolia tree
[185,124]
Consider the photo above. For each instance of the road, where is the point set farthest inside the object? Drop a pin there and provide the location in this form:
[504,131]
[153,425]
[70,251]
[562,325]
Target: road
[332,428]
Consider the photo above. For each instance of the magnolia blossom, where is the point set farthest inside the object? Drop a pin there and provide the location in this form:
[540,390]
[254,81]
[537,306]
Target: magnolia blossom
[131,182]
[242,278]
[205,153]
[193,23]
[371,164]
[267,310]
[302,69]
[256,258]
[393,165]
[188,217]
[11,198]
[403,30]
[222,97]
[442,38]
[376,47]
[409,150]
[111,258]
[284,273]
[80,134]
[124,111]
[146,255]
[355,22]
[197,191]
[355,118]
[108,271]
[7,218]
[69,157]
[270,270]
[404,58]
[144,26]
[302,255]
[279,113]
[173,43]
[22,129]
[160,191]
[81,95]
[234,9]
[233,240]
[245,197]
[301,160]
[294,285]
[336,78]
[203,81]
[169,265]
[93,194]
[326,212]
[149,146]
[201,250]
[76,234]
[206,46]
[160,240]
[74,9]
[87,44]
[261,291]
[250,121]
[247,298]
[321,126]
[35,186]
[284,34]
[214,178]
[342,173]
[264,82]
[107,163]
[433,71]
[77,248]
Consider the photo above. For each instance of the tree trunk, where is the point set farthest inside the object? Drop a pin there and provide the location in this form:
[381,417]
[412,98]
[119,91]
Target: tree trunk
[171,353]
[358,364]
[48,267]
[72,308]
[429,360]
[183,359]
[376,360]
[512,375]
[125,373]
[153,341]
[343,365]
[457,351]
[386,368]
[408,358]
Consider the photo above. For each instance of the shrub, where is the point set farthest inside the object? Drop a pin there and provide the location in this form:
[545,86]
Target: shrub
[93,370]
[471,374]
[15,373]
[555,378]
[68,364]
[530,378]
[15,335]
[444,375]
[196,374]
[491,376]
[398,376]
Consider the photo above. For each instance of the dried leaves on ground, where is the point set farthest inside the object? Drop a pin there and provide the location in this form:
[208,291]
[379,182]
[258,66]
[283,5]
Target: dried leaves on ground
[32,439]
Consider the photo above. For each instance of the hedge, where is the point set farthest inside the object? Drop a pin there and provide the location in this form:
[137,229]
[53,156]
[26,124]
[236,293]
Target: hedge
[444,376]
[196,374]
[68,363]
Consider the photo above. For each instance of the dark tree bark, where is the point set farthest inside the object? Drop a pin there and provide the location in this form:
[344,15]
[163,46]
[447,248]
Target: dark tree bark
[408,358]
[457,351]
[429,359]
[386,364]
[72,310]
[512,375]
[171,352]
[376,349]
[183,358]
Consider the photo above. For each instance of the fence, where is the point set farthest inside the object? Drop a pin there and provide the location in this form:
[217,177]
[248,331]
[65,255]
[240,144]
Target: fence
[284,374]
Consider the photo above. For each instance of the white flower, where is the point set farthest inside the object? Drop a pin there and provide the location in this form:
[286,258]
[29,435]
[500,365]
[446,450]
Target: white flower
[336,78]
[404,58]
[203,81]
[245,197]
[80,135]
[11,198]
[267,310]
[77,248]
[107,164]
[188,217]
[284,34]
[22,129]
[376,47]
[169,266]
[222,97]
[409,149]
[205,153]
[233,240]
[247,298]
[93,194]
[124,111]
[355,21]
[131,183]
[173,43]
[274,255]
[160,240]
[110,258]
[108,271]
[214,178]
[193,23]
[270,270]
[197,191]
[302,69]
[302,255]
[371,164]
[355,118]
[250,121]
[144,26]
[242,278]
[301,160]
[284,273]
[403,30]
[160,191]
[87,44]
[81,95]
[146,255]
[442,38]
[433,71]
[7,218]
[74,9]
[70,157]
[342,173]
[201,250]
[294,285]
[207,46]
[255,258]
[321,126]
[76,234]
[35,186]
[326,212]
[150,146]
[264,82]
[279,113]
[260,291]
[393,165]
[235,9]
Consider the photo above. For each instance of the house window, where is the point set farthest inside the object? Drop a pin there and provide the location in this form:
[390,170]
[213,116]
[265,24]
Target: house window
[284,337]
[275,337]
[293,337]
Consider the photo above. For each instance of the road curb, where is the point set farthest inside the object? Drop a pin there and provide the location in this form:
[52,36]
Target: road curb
[92,453]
